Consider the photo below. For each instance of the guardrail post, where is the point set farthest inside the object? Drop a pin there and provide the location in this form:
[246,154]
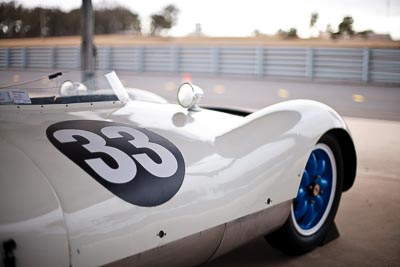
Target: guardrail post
[24,58]
[265,64]
[310,63]
[365,66]
[78,58]
[107,58]
[7,57]
[53,57]
[175,59]
[260,61]
[215,60]
[139,59]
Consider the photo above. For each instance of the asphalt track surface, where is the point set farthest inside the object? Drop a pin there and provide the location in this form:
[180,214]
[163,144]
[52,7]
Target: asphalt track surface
[369,214]
[352,100]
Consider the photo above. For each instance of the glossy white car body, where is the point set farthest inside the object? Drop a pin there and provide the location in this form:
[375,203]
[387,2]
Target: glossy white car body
[241,174]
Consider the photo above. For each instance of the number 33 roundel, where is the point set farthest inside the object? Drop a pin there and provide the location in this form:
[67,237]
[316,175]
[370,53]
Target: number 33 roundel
[138,165]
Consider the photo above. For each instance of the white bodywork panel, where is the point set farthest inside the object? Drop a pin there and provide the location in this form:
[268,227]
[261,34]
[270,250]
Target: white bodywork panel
[233,165]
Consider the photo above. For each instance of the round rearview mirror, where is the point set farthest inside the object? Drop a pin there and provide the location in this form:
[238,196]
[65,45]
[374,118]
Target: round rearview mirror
[189,96]
[185,95]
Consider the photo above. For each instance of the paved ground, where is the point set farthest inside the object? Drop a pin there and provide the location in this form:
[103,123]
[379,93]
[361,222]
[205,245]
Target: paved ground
[369,215]
[366,101]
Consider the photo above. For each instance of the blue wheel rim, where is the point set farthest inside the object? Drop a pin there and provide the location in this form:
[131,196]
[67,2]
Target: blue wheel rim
[316,191]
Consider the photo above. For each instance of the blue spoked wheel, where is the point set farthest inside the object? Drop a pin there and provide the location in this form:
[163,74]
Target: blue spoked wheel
[316,192]
[315,206]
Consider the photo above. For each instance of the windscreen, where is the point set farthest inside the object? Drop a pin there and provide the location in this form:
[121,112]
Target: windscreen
[64,88]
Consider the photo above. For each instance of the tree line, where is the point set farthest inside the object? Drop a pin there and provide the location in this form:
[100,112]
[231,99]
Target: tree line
[17,21]
[345,29]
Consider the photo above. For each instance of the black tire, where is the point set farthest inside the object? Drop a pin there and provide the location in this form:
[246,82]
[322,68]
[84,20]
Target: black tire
[288,239]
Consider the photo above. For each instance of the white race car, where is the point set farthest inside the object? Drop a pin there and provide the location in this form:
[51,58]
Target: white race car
[93,174]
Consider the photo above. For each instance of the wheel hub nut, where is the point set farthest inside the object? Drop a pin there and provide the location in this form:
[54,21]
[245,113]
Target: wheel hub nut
[316,190]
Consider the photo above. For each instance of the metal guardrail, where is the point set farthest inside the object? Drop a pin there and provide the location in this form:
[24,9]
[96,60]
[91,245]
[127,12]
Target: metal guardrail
[335,64]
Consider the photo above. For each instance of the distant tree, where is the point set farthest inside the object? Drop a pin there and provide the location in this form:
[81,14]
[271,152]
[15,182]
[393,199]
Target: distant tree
[281,33]
[364,34]
[291,34]
[313,20]
[346,26]
[17,21]
[164,20]
[11,23]
[117,19]
[54,24]
[331,32]
[72,25]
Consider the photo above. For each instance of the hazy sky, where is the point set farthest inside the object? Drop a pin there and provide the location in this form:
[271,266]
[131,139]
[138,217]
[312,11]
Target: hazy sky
[242,17]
